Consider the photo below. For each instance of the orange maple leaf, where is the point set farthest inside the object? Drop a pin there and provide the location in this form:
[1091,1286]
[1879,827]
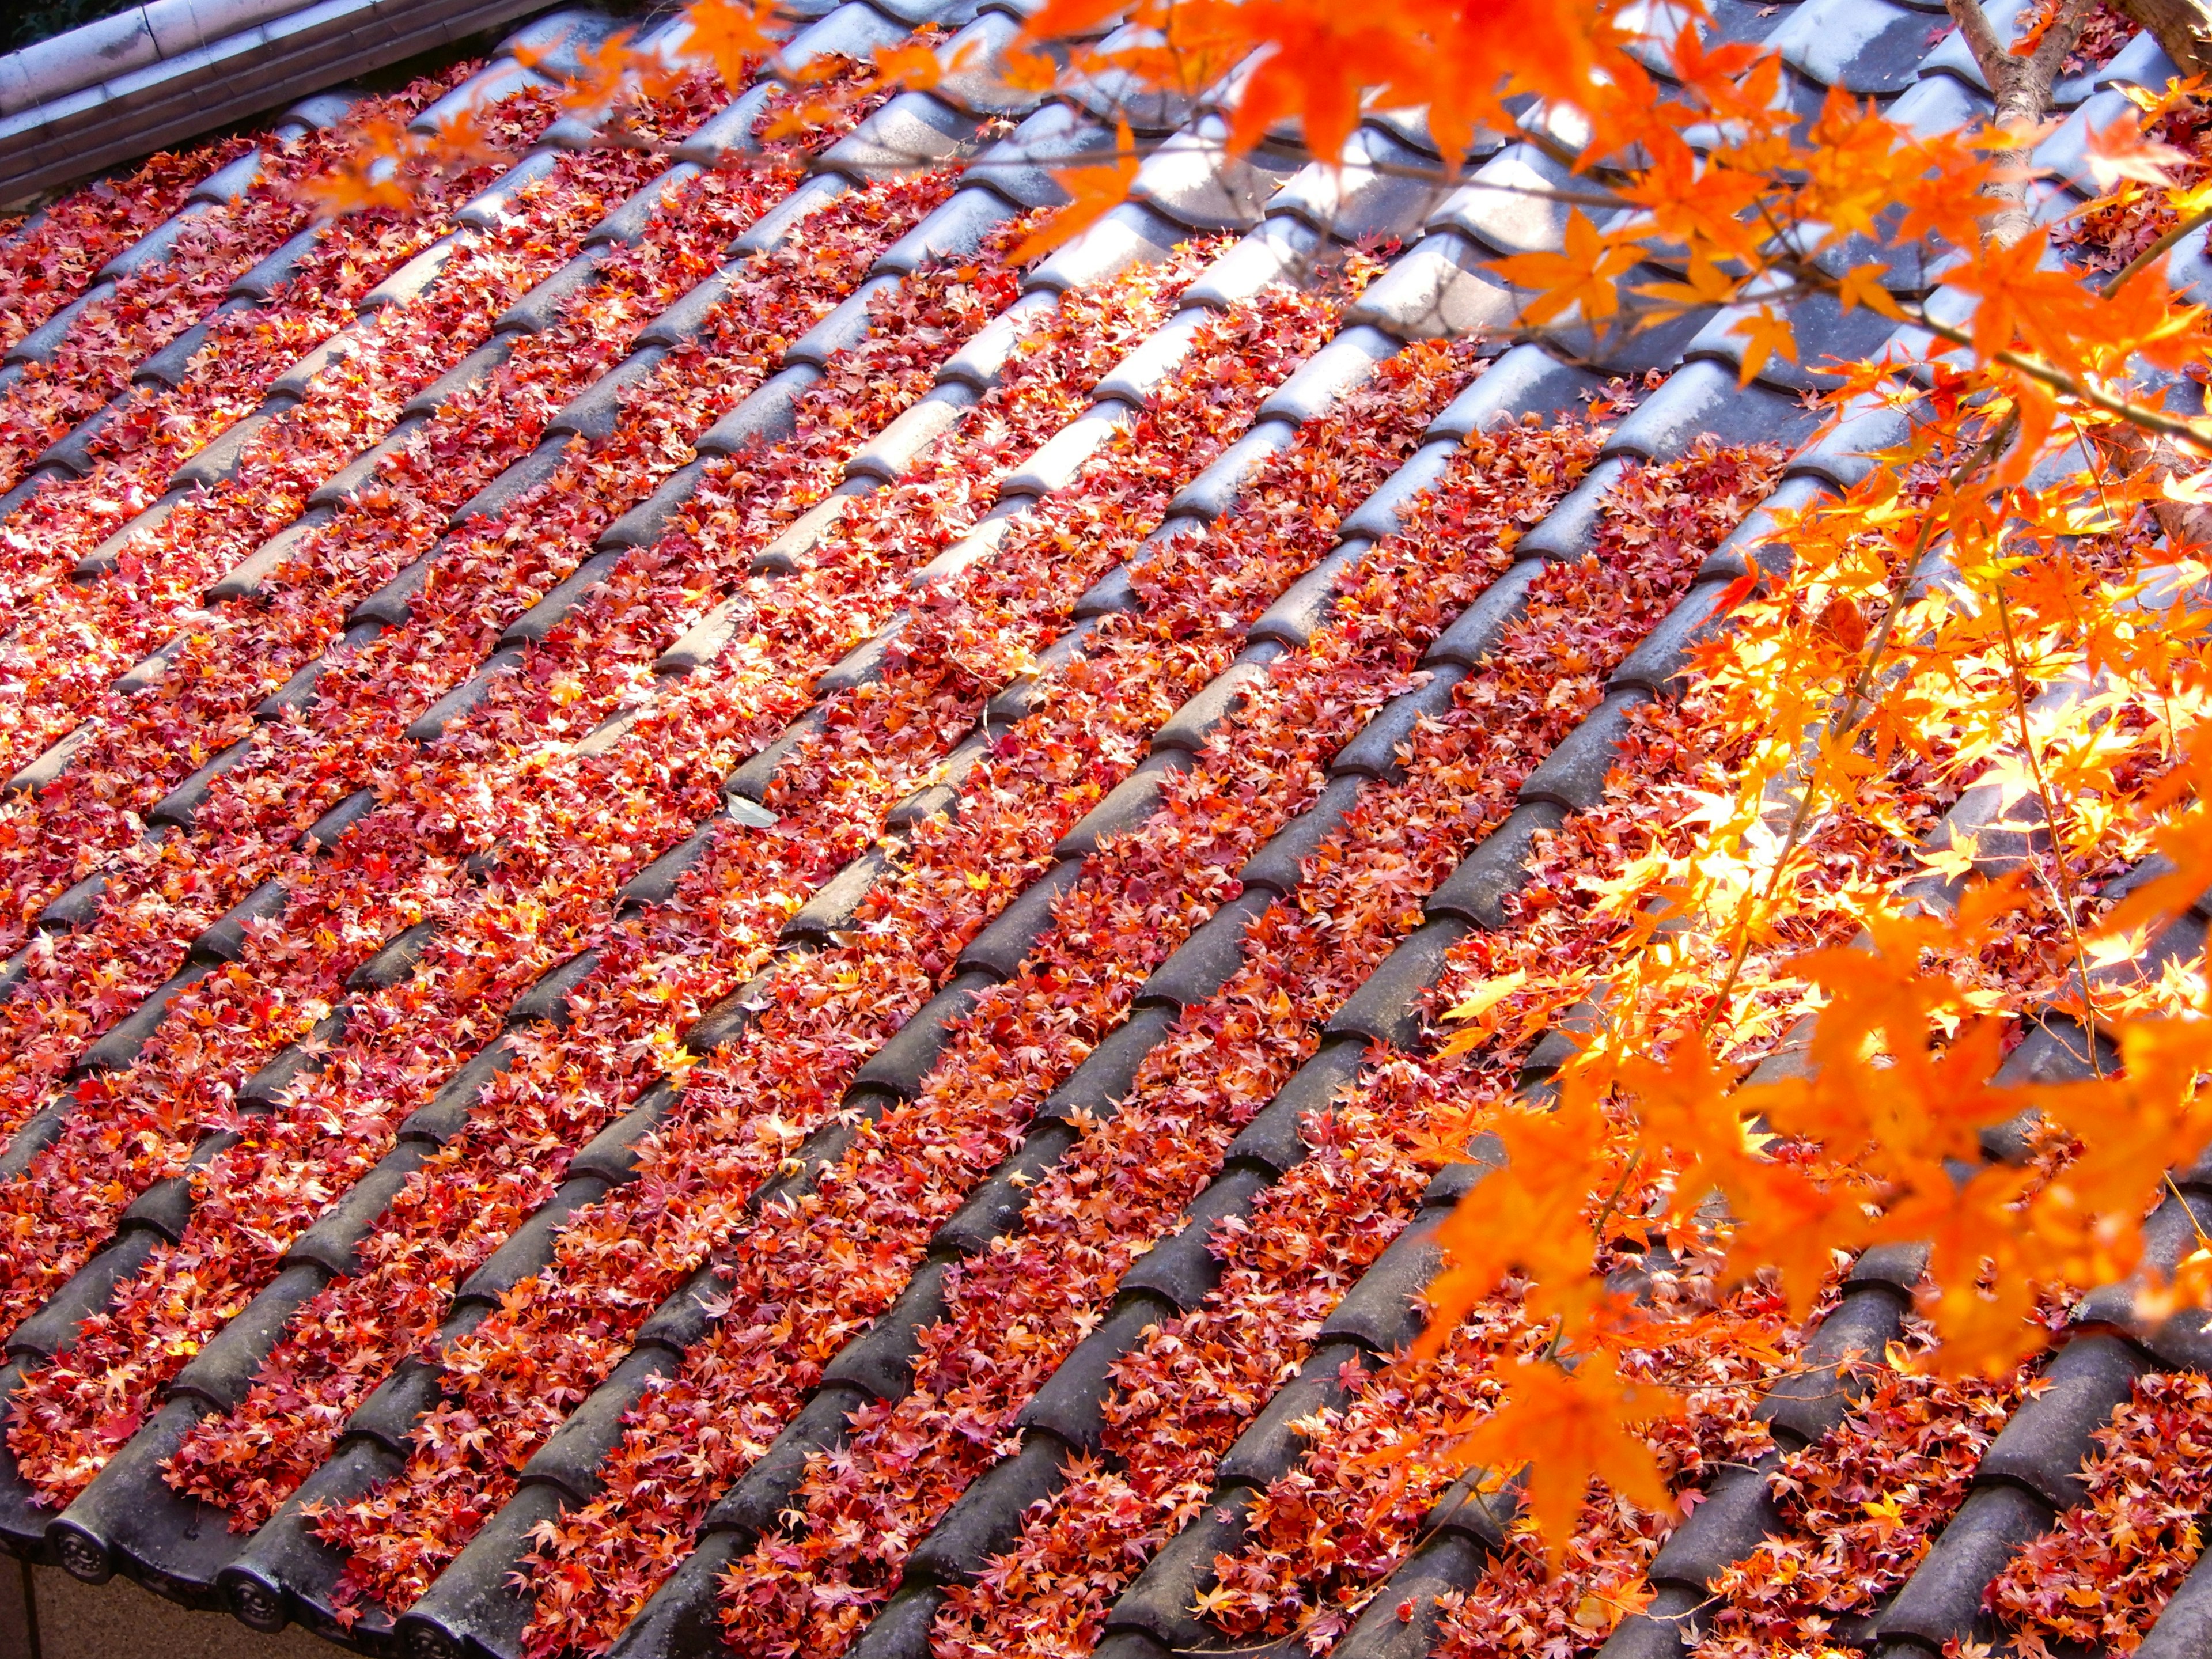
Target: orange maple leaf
[1579,275]
[2118,150]
[914,65]
[1564,1428]
[2184,872]
[732,35]
[1766,332]
[602,72]
[369,177]
[1862,285]
[1096,188]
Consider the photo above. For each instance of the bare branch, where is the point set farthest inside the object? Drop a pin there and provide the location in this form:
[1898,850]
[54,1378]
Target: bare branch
[2021,87]
[2060,39]
[2183,27]
[1990,54]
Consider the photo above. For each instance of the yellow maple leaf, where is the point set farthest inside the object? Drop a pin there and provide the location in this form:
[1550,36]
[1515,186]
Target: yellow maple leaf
[1954,859]
[2196,490]
[1487,996]
[1766,333]
[602,73]
[369,177]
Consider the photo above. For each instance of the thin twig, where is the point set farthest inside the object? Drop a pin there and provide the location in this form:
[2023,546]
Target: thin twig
[2064,878]
[2149,255]
[1854,709]
[1597,1230]
[2203,1238]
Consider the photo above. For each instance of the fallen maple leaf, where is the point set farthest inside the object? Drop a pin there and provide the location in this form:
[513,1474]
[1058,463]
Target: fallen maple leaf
[1491,993]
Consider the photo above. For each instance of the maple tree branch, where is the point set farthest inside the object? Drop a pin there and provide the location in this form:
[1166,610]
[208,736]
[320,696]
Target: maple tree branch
[1809,279]
[2134,414]
[2021,87]
[2064,878]
[1613,1199]
[2182,28]
[1989,53]
[2058,380]
[1552,147]
[2059,39]
[2150,256]
[1713,1598]
[1854,707]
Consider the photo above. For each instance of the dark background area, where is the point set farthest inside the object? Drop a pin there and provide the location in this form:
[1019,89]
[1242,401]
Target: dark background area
[26,25]
[46,1615]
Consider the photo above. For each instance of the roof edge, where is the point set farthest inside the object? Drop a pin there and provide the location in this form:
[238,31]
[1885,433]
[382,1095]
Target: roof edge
[145,99]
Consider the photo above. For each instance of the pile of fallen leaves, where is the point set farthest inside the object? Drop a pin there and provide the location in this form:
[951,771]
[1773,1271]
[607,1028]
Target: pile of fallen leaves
[1860,1507]
[344,903]
[2103,1574]
[407,888]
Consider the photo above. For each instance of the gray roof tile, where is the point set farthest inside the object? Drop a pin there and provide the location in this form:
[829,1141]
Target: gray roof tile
[1510,205]
[1864,47]
[1440,289]
[1191,179]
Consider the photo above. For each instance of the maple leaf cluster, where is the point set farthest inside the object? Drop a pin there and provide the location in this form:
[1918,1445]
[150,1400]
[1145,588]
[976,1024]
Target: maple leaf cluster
[377,529]
[1330,1216]
[2120,225]
[1589,906]
[1860,1507]
[2106,1570]
[1185,425]
[2104,31]
[500,917]
[154,303]
[76,638]
[681,980]
[1582,616]
[1139,897]
[1558,1589]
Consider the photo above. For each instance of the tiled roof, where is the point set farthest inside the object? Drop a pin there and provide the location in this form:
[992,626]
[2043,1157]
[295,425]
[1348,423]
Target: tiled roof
[152,75]
[568,471]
